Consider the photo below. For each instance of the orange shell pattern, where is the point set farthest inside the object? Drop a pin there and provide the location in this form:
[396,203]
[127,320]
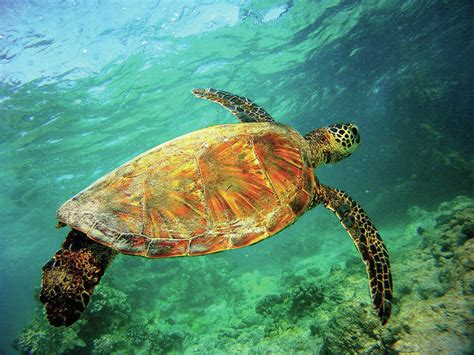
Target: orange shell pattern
[219,188]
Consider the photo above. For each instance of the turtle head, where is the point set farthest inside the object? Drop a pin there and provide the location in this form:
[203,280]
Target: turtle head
[333,143]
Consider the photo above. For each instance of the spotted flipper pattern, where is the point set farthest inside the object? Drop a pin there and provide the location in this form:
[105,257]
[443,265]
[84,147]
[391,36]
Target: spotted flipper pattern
[70,277]
[241,107]
[368,242]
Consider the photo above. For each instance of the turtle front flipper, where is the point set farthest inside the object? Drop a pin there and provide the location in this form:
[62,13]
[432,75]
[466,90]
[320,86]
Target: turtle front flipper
[368,242]
[70,277]
[241,107]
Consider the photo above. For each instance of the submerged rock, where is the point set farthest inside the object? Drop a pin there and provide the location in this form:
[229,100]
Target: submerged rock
[297,303]
[40,338]
[438,314]
[352,327]
[304,299]
[107,326]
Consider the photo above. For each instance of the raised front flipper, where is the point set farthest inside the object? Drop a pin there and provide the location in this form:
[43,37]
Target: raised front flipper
[241,107]
[368,242]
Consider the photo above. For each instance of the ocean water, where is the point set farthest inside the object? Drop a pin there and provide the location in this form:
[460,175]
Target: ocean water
[88,85]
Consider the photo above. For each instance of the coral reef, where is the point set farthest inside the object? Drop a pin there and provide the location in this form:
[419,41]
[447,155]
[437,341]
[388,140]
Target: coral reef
[39,338]
[107,326]
[437,290]
[352,328]
[317,304]
[301,300]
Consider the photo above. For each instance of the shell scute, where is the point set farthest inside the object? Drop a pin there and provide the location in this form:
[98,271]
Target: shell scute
[206,245]
[163,248]
[281,160]
[252,236]
[173,204]
[131,243]
[282,218]
[235,183]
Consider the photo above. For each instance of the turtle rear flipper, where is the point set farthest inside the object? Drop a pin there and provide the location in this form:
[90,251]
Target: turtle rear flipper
[70,277]
[368,242]
[241,107]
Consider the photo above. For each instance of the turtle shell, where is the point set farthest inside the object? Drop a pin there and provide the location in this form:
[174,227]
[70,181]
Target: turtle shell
[219,188]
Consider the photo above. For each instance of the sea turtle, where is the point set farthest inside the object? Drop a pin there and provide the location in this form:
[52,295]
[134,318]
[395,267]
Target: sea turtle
[219,188]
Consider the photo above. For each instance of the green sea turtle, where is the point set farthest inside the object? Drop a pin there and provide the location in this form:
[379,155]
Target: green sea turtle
[219,188]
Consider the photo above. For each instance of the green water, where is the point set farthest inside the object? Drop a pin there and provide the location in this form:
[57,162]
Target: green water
[86,86]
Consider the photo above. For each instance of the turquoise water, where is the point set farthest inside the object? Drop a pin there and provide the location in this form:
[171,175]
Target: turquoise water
[87,85]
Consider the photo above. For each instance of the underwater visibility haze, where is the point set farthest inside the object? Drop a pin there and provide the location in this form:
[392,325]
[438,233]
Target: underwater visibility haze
[88,85]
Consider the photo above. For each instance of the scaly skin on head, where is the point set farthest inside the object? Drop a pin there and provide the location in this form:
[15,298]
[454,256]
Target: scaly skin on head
[333,143]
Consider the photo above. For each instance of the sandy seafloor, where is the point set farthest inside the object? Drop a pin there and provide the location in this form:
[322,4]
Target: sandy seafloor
[87,85]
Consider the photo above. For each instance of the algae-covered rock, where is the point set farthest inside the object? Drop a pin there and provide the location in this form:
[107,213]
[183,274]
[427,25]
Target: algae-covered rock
[137,338]
[274,306]
[108,344]
[40,338]
[300,301]
[108,326]
[437,317]
[304,299]
[109,310]
[353,327]
[431,287]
